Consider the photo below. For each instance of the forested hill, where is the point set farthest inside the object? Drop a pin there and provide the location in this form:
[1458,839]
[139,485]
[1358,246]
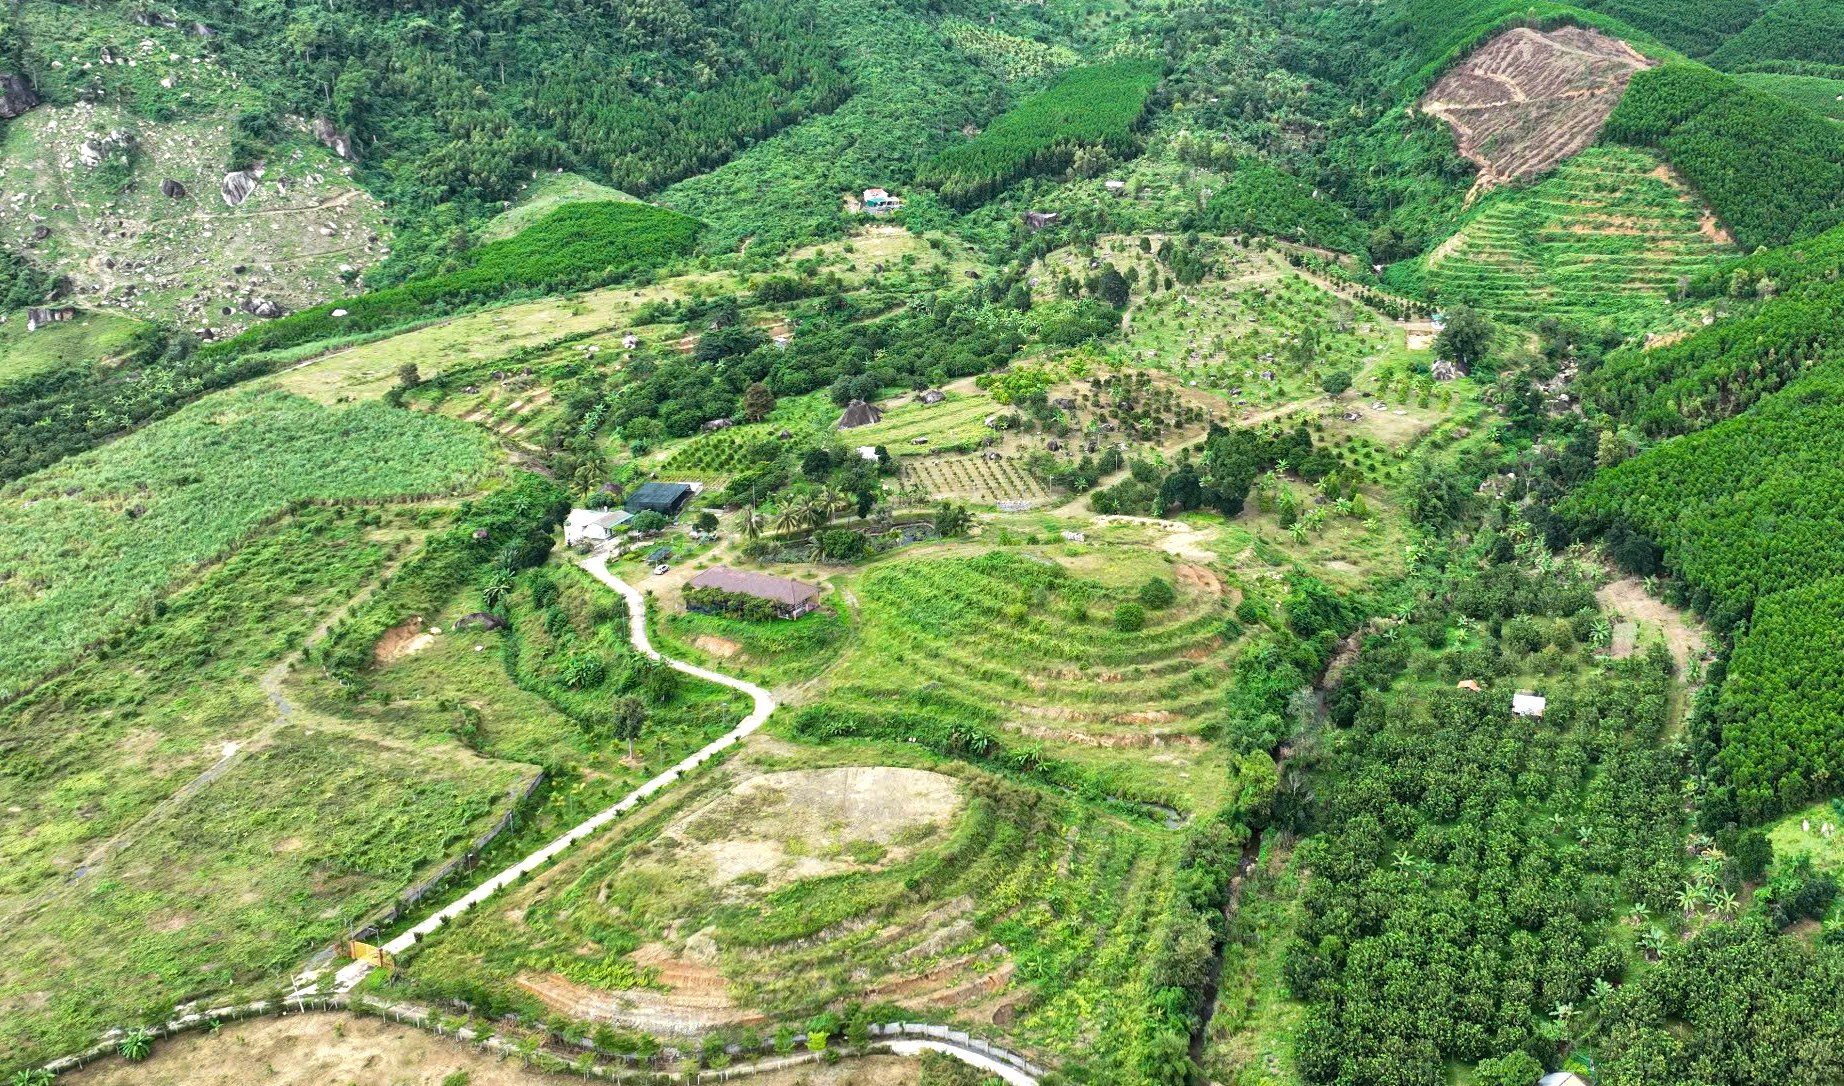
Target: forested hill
[449,108]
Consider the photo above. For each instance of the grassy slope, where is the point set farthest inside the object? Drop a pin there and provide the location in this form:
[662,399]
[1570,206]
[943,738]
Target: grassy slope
[1600,237]
[306,831]
[1819,94]
[547,193]
[97,538]
[92,337]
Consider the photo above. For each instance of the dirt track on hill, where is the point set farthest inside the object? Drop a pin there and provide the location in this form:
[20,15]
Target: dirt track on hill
[1526,100]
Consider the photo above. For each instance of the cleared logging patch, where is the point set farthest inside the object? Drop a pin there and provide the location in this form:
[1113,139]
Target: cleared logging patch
[1529,99]
[1610,234]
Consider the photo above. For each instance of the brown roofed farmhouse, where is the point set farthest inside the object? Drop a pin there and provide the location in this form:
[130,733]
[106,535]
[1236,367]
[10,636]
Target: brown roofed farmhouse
[713,589]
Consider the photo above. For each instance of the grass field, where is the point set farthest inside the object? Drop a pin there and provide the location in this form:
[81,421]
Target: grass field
[957,422]
[109,864]
[1606,235]
[1816,93]
[547,193]
[91,337]
[96,539]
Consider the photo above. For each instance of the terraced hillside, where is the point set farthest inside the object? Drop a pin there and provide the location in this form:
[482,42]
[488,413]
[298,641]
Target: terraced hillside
[760,899]
[1529,99]
[1610,234]
[1023,649]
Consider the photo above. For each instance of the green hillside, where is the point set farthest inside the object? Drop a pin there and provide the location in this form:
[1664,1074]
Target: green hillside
[1603,236]
[1772,171]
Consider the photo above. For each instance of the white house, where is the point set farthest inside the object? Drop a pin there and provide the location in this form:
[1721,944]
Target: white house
[593,525]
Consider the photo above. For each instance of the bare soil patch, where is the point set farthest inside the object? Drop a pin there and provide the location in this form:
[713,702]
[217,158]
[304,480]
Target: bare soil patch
[1527,99]
[721,647]
[310,1050]
[402,641]
[1627,598]
[799,824]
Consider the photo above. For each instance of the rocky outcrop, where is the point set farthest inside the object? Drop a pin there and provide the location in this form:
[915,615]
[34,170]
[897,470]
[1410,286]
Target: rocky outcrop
[333,139]
[92,151]
[237,187]
[262,307]
[172,189]
[16,96]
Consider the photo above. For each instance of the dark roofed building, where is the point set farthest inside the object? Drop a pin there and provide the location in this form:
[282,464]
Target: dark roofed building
[859,413]
[667,498]
[791,598]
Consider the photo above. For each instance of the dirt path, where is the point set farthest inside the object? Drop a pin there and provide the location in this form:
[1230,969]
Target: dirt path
[271,685]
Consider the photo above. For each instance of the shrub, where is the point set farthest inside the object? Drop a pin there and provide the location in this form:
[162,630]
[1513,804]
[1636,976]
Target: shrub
[1157,594]
[1129,618]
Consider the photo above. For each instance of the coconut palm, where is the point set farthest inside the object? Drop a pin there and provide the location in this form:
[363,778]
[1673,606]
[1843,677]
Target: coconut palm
[753,523]
[791,517]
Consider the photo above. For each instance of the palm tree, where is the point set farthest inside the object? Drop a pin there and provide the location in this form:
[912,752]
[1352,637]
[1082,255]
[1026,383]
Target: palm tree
[1689,898]
[1403,859]
[790,518]
[753,523]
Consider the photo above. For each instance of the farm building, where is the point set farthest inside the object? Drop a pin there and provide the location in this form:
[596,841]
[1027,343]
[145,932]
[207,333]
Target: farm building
[1525,703]
[877,201]
[858,413]
[666,498]
[791,599]
[593,525]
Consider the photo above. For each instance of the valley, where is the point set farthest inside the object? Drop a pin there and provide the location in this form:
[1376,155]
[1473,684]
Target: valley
[1226,544]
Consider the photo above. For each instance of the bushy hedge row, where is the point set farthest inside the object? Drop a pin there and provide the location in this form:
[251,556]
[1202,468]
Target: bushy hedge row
[1101,106]
[1772,171]
[576,247]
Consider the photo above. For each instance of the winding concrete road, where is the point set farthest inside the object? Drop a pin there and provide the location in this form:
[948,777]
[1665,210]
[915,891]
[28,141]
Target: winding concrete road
[765,704]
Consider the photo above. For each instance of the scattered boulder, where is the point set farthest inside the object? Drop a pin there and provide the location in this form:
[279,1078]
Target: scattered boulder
[333,139]
[237,187]
[16,96]
[484,620]
[200,30]
[40,233]
[262,307]
[172,189]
